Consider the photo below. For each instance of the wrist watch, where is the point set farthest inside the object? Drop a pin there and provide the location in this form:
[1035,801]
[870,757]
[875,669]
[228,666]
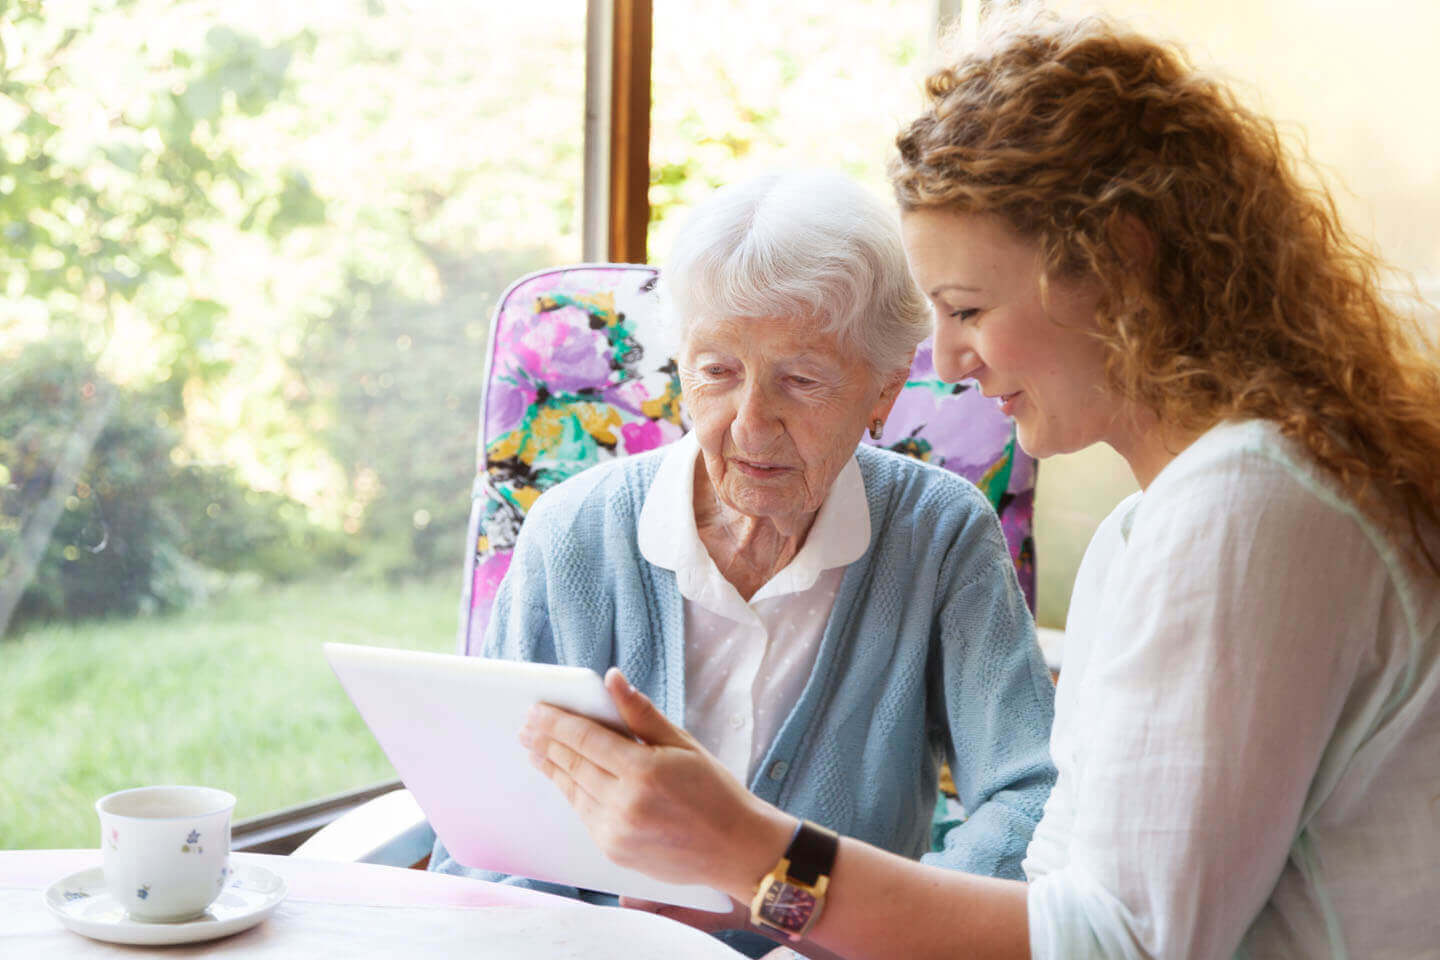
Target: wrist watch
[790,896]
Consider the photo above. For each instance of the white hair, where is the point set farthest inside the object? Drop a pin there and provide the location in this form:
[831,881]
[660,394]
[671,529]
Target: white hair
[811,245]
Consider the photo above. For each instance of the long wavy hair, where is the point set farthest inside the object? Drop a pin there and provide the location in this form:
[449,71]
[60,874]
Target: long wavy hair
[1255,301]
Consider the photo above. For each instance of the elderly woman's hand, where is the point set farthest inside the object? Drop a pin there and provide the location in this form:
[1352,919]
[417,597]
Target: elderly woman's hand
[661,805]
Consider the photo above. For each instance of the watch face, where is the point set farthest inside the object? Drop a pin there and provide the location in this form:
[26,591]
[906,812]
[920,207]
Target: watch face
[788,907]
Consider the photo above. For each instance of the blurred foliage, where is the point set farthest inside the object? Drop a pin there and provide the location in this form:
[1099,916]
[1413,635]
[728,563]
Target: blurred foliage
[138,533]
[113,170]
[746,86]
[106,182]
[392,389]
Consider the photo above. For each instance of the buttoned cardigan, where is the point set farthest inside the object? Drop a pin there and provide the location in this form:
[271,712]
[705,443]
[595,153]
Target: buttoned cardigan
[929,655]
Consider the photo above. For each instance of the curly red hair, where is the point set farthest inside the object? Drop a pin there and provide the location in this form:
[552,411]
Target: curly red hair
[1256,302]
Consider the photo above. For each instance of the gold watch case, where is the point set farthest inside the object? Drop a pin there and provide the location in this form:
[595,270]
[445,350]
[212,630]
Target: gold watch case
[787,905]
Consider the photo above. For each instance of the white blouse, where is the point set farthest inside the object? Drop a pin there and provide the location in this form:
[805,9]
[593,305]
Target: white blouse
[746,663]
[1247,726]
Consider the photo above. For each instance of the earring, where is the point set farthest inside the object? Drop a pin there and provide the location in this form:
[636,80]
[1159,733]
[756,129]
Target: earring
[877,427]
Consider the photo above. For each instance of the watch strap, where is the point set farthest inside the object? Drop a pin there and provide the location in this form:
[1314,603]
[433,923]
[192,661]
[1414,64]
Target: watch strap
[811,852]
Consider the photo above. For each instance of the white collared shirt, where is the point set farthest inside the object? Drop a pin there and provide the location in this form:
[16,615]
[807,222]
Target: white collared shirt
[746,663]
[1247,725]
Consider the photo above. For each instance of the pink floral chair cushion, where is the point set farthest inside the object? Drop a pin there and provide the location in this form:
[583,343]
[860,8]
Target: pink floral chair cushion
[580,369]
[952,425]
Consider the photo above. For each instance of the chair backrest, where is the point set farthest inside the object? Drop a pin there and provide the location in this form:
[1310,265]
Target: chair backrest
[579,369]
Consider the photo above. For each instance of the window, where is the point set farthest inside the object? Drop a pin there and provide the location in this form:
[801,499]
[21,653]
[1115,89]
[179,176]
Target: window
[249,255]
[744,86]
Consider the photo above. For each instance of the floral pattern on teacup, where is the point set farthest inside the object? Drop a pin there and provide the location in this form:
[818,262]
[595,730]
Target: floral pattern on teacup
[192,843]
[144,891]
[114,839]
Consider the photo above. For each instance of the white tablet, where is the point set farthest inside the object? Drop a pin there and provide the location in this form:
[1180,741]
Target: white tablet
[448,724]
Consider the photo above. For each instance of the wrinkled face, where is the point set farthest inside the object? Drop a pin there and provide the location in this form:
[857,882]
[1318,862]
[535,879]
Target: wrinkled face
[778,407]
[1039,365]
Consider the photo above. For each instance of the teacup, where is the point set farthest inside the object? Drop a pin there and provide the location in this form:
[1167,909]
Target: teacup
[166,849]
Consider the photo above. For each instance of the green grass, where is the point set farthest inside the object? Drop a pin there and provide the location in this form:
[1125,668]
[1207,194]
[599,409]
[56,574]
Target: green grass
[234,694]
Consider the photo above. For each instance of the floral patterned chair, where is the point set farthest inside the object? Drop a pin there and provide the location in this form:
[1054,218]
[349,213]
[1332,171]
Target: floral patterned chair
[580,369]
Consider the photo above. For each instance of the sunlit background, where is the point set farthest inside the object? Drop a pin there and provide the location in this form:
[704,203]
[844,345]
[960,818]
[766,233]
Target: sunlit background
[248,255]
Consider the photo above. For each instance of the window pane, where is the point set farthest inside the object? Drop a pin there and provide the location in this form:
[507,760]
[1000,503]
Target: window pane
[745,86]
[249,254]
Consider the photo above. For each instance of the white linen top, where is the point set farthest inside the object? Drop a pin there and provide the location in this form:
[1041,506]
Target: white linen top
[746,663]
[1247,726]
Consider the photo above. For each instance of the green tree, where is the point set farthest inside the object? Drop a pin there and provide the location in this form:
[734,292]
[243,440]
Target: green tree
[132,531]
[102,193]
[209,198]
[392,387]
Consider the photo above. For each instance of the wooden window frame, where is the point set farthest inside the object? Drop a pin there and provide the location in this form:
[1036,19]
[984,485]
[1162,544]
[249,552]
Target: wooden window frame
[619,35]
[281,831]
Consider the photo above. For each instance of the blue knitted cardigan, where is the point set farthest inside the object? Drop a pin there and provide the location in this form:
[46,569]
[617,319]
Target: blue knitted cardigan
[929,655]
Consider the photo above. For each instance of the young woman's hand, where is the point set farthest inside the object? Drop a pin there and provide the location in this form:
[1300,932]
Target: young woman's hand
[660,803]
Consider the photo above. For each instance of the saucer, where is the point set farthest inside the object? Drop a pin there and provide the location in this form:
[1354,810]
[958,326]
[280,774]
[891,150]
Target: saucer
[81,902]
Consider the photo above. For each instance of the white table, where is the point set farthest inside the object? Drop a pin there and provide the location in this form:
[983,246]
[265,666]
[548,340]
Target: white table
[362,911]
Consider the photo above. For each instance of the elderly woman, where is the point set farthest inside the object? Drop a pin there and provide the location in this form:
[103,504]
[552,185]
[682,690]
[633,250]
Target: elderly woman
[830,620]
[1248,723]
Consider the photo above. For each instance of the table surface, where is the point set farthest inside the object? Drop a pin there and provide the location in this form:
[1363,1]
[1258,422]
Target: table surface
[362,911]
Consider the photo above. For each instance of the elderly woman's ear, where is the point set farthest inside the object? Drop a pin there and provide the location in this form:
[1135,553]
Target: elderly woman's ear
[890,392]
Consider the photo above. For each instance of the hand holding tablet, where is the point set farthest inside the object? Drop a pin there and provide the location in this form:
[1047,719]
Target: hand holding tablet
[449,724]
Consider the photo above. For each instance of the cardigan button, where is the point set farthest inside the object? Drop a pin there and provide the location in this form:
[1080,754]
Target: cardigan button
[778,769]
